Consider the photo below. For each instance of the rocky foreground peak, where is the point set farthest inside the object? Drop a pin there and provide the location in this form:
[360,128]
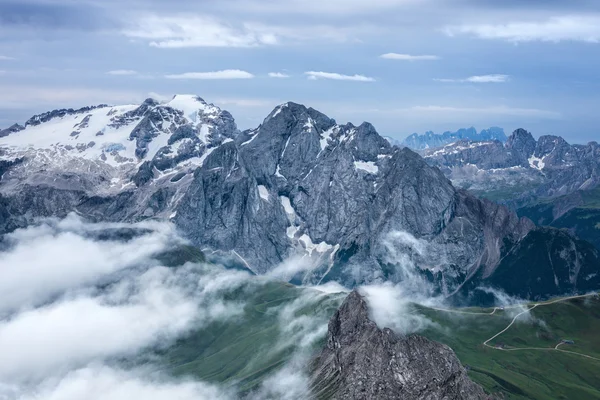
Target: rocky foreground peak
[361,361]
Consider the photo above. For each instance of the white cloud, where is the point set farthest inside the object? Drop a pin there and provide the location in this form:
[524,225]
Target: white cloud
[408,57]
[584,28]
[195,31]
[493,78]
[98,382]
[492,110]
[6,58]
[67,96]
[76,331]
[225,74]
[241,102]
[391,307]
[318,7]
[338,77]
[278,75]
[122,72]
[55,256]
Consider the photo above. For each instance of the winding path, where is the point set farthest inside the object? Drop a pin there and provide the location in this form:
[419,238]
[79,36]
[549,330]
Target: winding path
[536,348]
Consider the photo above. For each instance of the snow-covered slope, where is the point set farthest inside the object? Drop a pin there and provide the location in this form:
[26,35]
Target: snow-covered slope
[114,142]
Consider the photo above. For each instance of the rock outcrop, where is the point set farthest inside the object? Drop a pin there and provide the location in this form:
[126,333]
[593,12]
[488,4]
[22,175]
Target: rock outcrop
[362,361]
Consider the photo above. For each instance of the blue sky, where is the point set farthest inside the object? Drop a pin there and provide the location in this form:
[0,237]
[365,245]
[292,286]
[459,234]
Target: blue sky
[447,64]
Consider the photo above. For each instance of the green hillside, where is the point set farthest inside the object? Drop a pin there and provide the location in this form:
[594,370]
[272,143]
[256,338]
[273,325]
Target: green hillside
[540,372]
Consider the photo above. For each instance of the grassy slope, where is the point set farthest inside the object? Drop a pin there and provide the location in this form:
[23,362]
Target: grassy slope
[528,374]
[243,351]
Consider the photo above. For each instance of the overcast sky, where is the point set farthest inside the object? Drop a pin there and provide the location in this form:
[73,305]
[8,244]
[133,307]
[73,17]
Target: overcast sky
[404,65]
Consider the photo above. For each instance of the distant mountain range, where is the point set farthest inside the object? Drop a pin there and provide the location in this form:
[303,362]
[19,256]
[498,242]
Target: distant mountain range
[430,140]
[521,170]
[354,207]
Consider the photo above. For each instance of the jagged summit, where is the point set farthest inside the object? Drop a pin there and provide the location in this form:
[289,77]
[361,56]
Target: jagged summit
[361,361]
[531,168]
[430,140]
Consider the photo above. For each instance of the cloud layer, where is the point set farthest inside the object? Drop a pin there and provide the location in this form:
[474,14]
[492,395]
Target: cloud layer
[408,57]
[224,74]
[583,28]
[314,75]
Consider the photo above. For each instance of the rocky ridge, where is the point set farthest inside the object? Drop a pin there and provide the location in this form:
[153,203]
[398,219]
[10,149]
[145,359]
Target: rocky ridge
[362,361]
[521,170]
[430,140]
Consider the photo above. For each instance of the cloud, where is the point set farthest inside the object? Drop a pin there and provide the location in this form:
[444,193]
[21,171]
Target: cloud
[391,307]
[278,75]
[584,28]
[6,58]
[492,110]
[241,102]
[122,72]
[109,305]
[494,78]
[70,287]
[339,77]
[290,267]
[34,96]
[99,382]
[316,7]
[408,57]
[195,31]
[57,255]
[224,74]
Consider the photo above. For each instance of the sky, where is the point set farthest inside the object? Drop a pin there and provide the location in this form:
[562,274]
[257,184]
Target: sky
[404,65]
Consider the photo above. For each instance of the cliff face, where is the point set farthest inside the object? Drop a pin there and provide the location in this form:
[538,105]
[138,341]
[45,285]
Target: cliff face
[361,361]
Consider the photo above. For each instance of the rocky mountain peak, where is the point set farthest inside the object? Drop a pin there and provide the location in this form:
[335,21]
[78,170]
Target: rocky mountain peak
[11,129]
[362,361]
[521,139]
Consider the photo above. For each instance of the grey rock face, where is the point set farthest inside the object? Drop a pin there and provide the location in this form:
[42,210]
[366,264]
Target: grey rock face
[11,129]
[361,361]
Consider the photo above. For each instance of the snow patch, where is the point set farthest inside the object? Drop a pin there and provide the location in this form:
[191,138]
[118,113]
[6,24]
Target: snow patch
[287,206]
[368,166]
[536,162]
[325,136]
[263,192]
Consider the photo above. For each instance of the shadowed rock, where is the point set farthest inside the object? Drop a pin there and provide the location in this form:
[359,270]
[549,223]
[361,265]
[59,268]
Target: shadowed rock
[361,361]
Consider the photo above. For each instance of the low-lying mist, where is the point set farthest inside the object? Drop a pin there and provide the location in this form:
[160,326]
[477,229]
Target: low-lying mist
[89,312]
[83,303]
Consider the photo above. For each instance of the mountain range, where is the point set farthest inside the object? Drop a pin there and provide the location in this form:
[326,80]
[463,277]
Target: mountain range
[337,197]
[521,170]
[430,140]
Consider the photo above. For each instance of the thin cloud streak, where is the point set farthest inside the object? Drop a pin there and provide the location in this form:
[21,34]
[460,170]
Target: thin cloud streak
[314,75]
[122,72]
[408,57]
[493,110]
[278,75]
[195,31]
[225,74]
[494,78]
[583,28]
